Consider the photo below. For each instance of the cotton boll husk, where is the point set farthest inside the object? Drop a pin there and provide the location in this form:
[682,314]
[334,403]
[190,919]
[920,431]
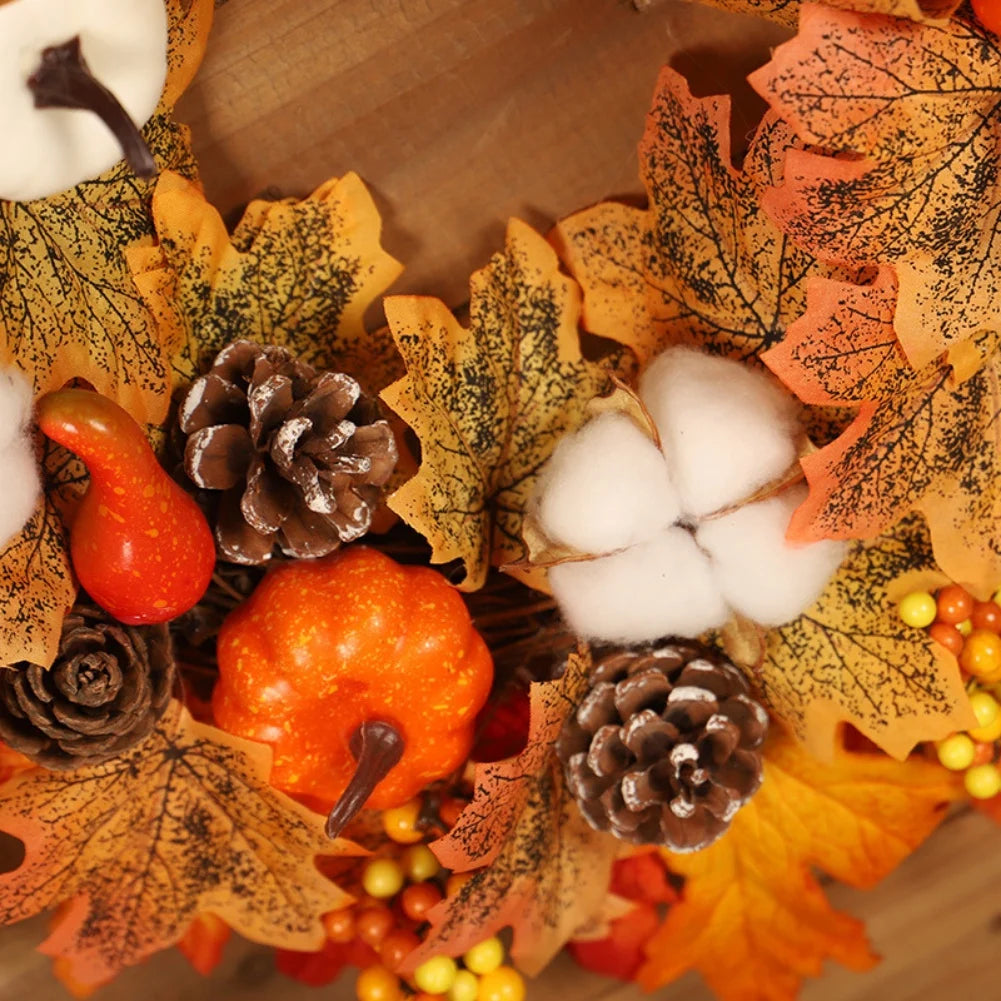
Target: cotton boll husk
[661,587]
[727,430]
[15,406]
[605,487]
[760,574]
[22,488]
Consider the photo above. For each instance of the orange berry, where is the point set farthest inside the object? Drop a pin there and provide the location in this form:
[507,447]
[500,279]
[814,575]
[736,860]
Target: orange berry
[373,924]
[378,984]
[400,823]
[456,882]
[947,635]
[396,946]
[503,984]
[418,898]
[954,603]
[982,754]
[449,811]
[981,655]
[340,925]
[986,615]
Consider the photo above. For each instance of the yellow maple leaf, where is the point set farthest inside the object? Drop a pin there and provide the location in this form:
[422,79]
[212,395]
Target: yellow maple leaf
[296,273]
[787,11]
[850,657]
[489,403]
[183,824]
[752,918]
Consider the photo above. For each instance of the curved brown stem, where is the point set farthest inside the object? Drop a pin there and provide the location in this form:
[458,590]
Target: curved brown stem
[377,747]
[63,80]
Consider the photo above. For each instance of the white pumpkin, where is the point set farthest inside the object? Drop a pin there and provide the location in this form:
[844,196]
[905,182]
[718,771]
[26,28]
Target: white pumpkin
[124,43]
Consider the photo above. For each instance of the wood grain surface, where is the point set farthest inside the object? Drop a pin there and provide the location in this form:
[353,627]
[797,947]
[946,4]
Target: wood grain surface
[459,114]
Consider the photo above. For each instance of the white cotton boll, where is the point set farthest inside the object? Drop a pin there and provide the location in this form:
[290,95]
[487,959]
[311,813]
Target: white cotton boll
[15,405]
[661,587]
[726,429]
[763,576]
[22,487]
[605,487]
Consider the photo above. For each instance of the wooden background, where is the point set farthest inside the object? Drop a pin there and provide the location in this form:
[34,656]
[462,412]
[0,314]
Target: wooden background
[459,114]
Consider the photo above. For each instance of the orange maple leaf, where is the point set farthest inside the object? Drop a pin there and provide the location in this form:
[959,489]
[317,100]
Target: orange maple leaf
[924,440]
[787,11]
[185,823]
[703,264]
[752,918]
[542,869]
[203,943]
[919,110]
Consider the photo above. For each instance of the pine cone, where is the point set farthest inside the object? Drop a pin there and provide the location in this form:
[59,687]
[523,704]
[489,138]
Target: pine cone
[298,456]
[664,748]
[105,692]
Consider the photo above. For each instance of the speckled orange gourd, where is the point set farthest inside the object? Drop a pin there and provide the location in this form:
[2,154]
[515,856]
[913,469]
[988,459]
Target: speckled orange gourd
[140,546]
[322,646]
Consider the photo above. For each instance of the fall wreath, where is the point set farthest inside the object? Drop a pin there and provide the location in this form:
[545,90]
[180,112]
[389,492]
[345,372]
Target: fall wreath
[375,645]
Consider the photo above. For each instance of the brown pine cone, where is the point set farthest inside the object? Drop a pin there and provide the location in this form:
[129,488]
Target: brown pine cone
[298,456]
[105,692]
[664,749]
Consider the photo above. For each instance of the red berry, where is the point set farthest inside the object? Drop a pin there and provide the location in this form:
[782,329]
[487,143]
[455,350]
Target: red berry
[986,615]
[373,924]
[418,898]
[947,635]
[954,604]
[396,946]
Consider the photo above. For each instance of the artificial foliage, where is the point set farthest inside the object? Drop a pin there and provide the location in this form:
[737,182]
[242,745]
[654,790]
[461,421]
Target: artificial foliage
[846,253]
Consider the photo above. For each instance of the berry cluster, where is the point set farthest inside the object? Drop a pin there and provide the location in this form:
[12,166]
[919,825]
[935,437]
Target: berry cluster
[971,630]
[387,921]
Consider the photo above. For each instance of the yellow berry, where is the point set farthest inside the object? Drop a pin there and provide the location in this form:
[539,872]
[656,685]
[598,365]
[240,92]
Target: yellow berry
[996,596]
[420,864]
[382,878]
[437,975]
[985,707]
[987,734]
[965,627]
[465,987]
[400,823]
[484,956]
[918,609]
[983,781]
[378,984]
[503,984]
[956,752]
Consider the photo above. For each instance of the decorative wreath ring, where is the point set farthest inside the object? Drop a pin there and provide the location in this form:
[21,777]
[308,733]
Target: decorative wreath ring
[636,637]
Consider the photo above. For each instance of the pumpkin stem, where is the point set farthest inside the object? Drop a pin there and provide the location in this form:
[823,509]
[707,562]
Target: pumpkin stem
[63,80]
[377,747]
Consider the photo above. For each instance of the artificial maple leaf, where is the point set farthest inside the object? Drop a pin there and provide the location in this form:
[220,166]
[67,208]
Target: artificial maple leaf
[296,273]
[850,657]
[918,108]
[185,823]
[928,440]
[787,11]
[189,22]
[35,567]
[489,403]
[752,918]
[546,871]
[203,943]
[703,265]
